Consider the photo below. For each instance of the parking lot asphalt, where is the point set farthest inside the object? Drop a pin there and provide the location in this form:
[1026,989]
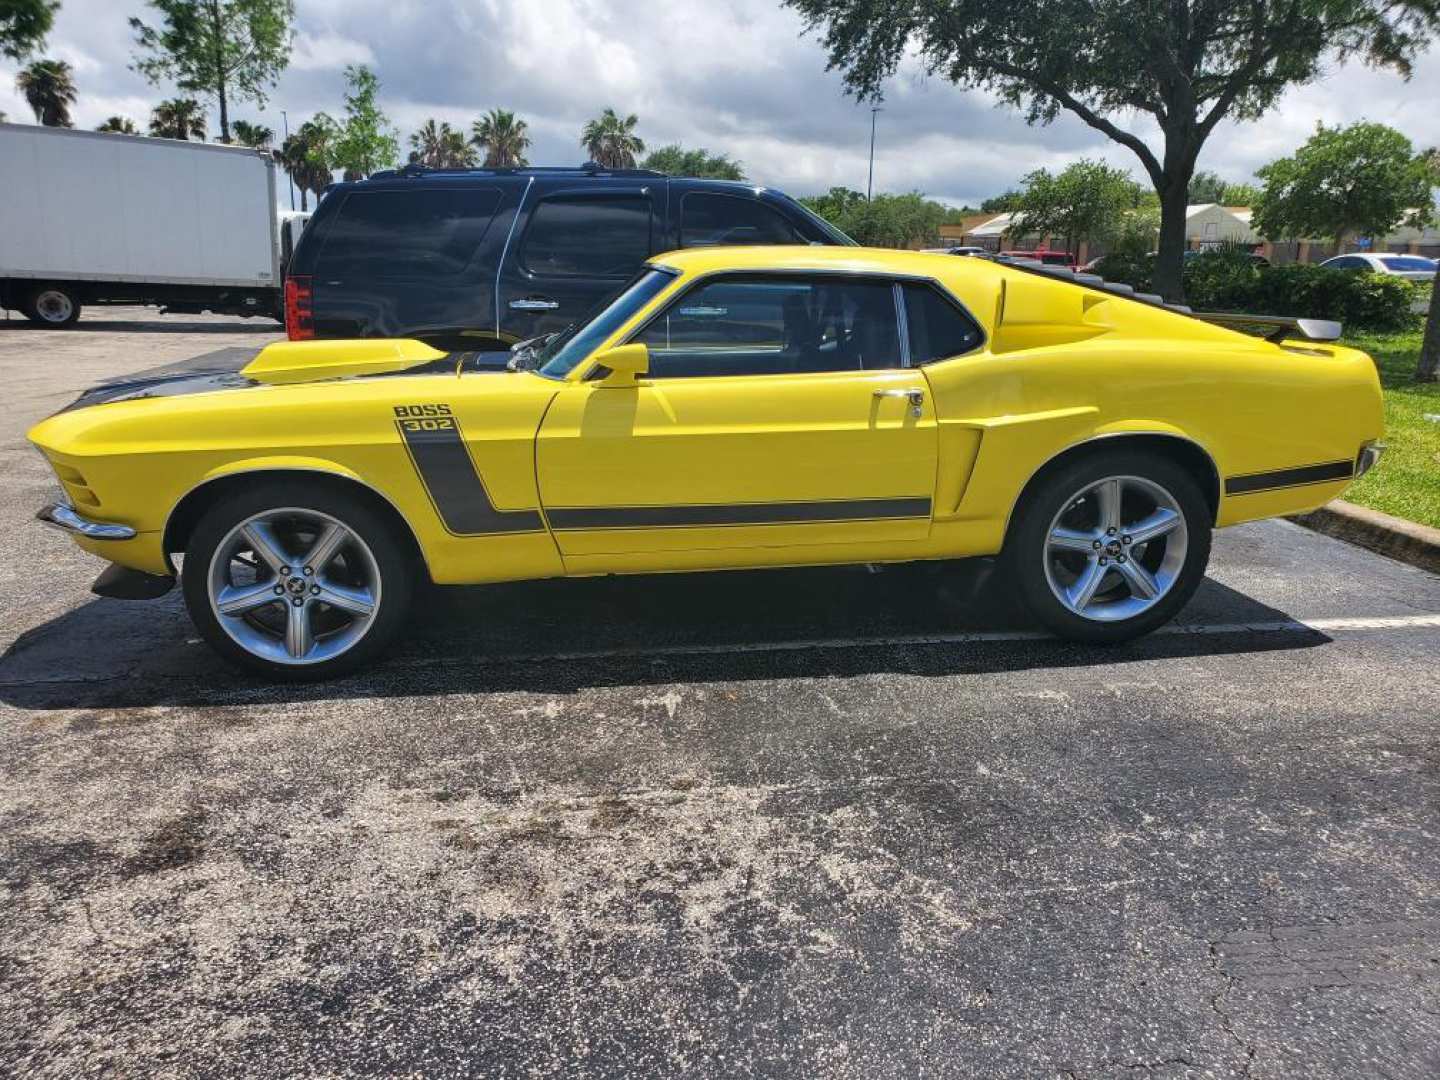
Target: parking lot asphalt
[823,823]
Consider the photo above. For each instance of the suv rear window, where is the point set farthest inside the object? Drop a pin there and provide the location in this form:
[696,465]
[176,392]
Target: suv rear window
[711,220]
[406,234]
[588,236]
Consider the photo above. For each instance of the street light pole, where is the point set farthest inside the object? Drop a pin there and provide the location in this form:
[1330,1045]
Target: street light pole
[870,184]
[285,120]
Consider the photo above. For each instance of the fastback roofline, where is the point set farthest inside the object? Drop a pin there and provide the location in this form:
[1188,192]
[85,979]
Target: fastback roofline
[1283,325]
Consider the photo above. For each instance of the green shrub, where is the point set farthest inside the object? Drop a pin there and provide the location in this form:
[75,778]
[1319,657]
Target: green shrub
[1360,301]
[1128,269]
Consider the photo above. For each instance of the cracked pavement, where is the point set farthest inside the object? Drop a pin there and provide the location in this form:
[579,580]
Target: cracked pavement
[804,823]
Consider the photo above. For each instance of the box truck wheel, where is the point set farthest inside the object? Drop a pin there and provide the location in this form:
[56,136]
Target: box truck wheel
[52,305]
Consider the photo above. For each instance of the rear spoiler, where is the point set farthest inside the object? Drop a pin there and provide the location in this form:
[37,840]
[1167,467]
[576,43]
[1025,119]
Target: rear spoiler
[1283,326]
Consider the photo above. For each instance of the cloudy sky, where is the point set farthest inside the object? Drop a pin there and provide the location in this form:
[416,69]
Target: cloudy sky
[737,76]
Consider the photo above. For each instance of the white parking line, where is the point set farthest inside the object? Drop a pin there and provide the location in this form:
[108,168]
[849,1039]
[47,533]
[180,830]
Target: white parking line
[1278,626]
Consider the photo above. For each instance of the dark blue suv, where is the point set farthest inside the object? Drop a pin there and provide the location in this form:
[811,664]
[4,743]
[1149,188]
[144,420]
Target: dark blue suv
[482,258]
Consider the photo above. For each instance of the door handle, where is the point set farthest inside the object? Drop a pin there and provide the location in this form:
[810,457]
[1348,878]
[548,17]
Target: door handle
[915,397]
[534,304]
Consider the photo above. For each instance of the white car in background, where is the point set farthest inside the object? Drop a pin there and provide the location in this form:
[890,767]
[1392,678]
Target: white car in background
[1410,267]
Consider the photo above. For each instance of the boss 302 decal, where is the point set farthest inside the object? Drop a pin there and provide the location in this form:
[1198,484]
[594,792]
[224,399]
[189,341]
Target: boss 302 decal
[436,446]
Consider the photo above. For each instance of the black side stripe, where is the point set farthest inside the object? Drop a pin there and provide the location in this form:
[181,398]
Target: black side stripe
[783,513]
[455,486]
[1283,478]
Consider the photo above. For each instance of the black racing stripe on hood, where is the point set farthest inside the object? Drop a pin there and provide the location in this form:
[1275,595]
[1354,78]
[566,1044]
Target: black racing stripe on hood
[217,370]
[220,370]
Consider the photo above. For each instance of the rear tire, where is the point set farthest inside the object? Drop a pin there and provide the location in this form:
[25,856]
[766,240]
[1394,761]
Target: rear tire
[1110,546]
[54,307]
[296,581]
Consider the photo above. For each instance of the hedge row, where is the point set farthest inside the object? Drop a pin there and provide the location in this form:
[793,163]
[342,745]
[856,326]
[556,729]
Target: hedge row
[1224,282]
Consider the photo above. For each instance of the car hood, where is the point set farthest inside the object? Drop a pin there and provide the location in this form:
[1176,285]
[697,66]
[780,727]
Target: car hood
[284,362]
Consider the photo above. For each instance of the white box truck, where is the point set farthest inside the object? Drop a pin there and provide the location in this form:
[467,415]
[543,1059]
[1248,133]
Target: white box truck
[90,218]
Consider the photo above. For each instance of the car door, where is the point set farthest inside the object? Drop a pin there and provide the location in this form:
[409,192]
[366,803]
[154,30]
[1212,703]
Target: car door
[573,248]
[778,413]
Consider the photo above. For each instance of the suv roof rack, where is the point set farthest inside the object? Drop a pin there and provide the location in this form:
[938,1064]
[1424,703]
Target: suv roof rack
[414,171]
[1281,325]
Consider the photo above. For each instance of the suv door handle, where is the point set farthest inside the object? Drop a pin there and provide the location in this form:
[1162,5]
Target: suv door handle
[534,303]
[915,397]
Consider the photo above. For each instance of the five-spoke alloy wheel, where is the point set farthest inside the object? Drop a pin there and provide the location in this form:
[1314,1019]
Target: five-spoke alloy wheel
[297,587]
[1110,546]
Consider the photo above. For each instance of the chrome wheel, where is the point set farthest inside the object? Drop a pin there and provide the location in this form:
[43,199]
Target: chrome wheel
[294,586]
[1116,548]
[54,306]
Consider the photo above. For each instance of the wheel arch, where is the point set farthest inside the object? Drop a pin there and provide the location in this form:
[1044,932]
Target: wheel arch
[1179,448]
[193,505]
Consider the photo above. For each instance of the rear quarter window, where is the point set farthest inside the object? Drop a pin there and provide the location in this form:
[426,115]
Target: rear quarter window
[406,234]
[938,327]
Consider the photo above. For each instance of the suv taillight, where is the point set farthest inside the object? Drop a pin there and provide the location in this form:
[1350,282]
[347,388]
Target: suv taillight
[299,314]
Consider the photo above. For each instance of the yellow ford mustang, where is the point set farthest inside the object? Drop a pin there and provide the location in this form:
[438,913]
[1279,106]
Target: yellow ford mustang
[731,407]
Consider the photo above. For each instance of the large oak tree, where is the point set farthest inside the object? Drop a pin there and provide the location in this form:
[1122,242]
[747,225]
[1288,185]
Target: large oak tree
[1185,64]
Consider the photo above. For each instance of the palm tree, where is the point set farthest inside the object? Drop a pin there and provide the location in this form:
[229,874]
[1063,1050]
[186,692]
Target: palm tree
[503,138]
[611,141]
[49,88]
[255,136]
[178,118]
[440,146]
[306,157]
[119,125]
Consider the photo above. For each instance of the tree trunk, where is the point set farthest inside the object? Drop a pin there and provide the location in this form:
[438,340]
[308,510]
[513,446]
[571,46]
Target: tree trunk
[1428,369]
[220,71]
[303,206]
[1170,259]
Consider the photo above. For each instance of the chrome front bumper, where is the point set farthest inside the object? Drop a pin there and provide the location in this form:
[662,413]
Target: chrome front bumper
[64,518]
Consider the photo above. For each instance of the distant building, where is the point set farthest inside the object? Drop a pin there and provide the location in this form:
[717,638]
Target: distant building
[1206,225]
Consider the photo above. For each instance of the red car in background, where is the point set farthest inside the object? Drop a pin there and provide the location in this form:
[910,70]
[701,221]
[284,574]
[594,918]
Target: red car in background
[1046,256]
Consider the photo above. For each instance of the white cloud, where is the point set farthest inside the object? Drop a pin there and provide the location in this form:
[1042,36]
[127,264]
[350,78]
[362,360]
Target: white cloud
[328,52]
[736,76]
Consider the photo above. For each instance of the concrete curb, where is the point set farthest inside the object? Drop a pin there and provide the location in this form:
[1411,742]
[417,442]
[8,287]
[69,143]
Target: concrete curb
[1418,545]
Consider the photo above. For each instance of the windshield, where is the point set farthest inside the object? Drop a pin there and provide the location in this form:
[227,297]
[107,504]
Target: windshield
[558,356]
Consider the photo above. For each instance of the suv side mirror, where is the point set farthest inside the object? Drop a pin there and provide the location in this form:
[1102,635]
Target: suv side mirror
[622,364]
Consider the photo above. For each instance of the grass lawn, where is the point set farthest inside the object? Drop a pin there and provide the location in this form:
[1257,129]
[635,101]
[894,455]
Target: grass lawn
[1406,483]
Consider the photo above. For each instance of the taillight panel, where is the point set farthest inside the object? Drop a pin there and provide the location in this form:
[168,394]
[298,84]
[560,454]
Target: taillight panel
[299,308]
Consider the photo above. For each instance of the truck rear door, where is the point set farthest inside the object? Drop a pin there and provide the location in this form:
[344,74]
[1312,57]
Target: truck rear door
[571,249]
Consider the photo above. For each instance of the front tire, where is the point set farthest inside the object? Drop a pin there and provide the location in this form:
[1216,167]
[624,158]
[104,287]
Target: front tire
[298,582]
[1110,546]
[54,307]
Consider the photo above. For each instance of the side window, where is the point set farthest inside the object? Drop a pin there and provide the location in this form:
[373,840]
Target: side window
[938,328]
[588,236]
[425,233]
[711,220]
[778,325]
